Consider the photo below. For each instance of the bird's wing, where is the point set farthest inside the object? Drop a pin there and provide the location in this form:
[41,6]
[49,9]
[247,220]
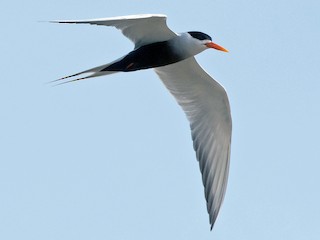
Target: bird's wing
[140,29]
[206,105]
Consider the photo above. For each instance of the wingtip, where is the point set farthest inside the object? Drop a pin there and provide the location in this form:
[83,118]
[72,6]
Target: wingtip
[50,21]
[61,21]
[54,21]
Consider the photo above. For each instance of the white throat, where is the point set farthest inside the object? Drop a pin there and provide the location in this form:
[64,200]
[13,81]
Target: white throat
[185,45]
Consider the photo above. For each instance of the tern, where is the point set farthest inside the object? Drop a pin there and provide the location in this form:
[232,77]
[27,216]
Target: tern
[203,99]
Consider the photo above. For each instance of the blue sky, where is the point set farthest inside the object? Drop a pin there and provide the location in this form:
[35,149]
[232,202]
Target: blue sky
[112,157]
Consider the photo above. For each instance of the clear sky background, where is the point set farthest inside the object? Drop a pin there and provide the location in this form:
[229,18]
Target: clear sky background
[112,157]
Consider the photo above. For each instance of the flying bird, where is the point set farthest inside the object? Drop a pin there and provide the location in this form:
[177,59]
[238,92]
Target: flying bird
[203,99]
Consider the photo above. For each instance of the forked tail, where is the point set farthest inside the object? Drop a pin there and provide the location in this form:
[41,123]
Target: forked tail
[90,73]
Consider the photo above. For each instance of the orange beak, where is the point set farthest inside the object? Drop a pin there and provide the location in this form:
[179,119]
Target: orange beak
[216,46]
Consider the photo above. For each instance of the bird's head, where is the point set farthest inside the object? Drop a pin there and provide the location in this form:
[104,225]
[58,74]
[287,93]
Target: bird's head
[205,41]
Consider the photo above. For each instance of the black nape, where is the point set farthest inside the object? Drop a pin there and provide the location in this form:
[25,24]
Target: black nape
[200,35]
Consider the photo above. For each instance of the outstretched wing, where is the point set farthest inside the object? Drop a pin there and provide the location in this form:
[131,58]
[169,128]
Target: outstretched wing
[206,105]
[140,29]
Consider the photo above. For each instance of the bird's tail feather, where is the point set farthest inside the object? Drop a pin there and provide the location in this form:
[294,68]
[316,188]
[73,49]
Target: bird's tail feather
[95,72]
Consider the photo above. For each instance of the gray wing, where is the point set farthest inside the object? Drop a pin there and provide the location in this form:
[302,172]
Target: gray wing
[140,29]
[206,105]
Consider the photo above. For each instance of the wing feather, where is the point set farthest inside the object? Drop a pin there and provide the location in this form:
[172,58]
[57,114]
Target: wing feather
[140,29]
[206,105]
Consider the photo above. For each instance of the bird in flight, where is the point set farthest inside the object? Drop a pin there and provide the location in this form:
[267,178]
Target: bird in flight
[203,99]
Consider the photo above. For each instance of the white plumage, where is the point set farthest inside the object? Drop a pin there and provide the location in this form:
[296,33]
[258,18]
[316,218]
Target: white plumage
[203,100]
